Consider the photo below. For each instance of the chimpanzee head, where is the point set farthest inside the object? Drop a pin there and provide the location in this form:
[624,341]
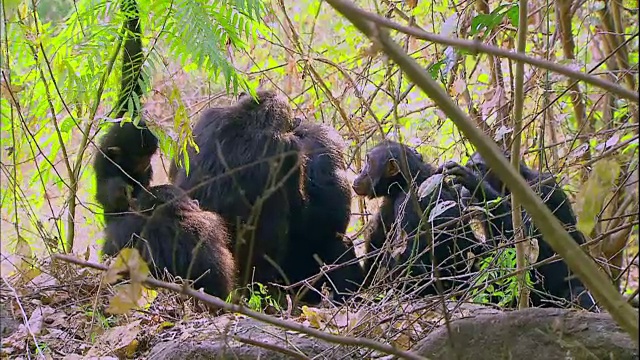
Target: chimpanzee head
[131,146]
[385,171]
[478,165]
[267,109]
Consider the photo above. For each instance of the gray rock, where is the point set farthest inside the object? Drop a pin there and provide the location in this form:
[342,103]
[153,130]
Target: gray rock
[531,334]
[224,340]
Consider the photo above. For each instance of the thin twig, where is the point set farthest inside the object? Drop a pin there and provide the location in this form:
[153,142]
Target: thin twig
[476,46]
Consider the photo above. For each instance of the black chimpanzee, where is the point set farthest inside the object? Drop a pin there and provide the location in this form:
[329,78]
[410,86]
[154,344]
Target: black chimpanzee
[164,224]
[251,168]
[326,212]
[248,170]
[427,217]
[554,282]
[126,152]
[171,232]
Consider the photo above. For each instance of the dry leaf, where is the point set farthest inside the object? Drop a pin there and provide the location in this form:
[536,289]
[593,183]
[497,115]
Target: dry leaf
[594,192]
[459,86]
[118,340]
[128,260]
[311,315]
[130,296]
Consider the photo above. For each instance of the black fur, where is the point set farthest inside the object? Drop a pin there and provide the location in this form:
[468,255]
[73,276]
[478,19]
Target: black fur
[393,171]
[553,282]
[326,213]
[171,231]
[132,61]
[306,210]
[247,170]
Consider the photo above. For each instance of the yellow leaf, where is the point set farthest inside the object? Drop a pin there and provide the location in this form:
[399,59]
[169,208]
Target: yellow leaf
[24,261]
[128,260]
[312,316]
[22,248]
[125,299]
[131,349]
[593,193]
[120,341]
[10,7]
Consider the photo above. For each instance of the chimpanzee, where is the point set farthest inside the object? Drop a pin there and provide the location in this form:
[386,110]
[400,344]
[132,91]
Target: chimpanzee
[126,150]
[171,231]
[326,213]
[427,217]
[554,281]
[248,171]
[251,169]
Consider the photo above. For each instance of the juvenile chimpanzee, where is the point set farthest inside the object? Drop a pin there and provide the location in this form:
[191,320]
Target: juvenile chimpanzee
[553,281]
[126,150]
[441,240]
[326,213]
[171,231]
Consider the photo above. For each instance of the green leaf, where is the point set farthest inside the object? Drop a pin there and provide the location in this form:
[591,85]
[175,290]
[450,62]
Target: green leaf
[434,69]
[67,124]
[484,22]
[514,15]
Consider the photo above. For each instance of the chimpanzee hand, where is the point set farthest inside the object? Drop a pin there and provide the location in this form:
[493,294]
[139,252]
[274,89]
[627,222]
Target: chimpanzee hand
[462,175]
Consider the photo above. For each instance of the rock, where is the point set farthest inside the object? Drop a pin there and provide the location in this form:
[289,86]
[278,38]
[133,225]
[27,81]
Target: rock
[531,334]
[223,340]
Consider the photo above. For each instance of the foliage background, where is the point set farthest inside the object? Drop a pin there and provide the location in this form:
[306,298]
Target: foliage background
[51,102]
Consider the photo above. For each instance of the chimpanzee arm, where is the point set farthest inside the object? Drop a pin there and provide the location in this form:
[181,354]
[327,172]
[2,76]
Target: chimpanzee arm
[472,181]
[556,200]
[375,233]
[481,191]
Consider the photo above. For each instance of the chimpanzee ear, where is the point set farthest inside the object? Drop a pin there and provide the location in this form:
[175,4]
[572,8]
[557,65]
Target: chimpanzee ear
[114,150]
[392,169]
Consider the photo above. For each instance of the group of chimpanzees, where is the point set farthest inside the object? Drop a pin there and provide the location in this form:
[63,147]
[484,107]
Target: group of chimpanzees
[266,200]
[431,218]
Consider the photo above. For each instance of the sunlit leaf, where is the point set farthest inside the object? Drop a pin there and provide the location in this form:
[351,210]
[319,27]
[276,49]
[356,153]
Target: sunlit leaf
[514,15]
[129,261]
[434,69]
[594,192]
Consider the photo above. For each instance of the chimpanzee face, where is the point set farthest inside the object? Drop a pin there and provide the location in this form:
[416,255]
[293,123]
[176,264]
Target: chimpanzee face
[378,172]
